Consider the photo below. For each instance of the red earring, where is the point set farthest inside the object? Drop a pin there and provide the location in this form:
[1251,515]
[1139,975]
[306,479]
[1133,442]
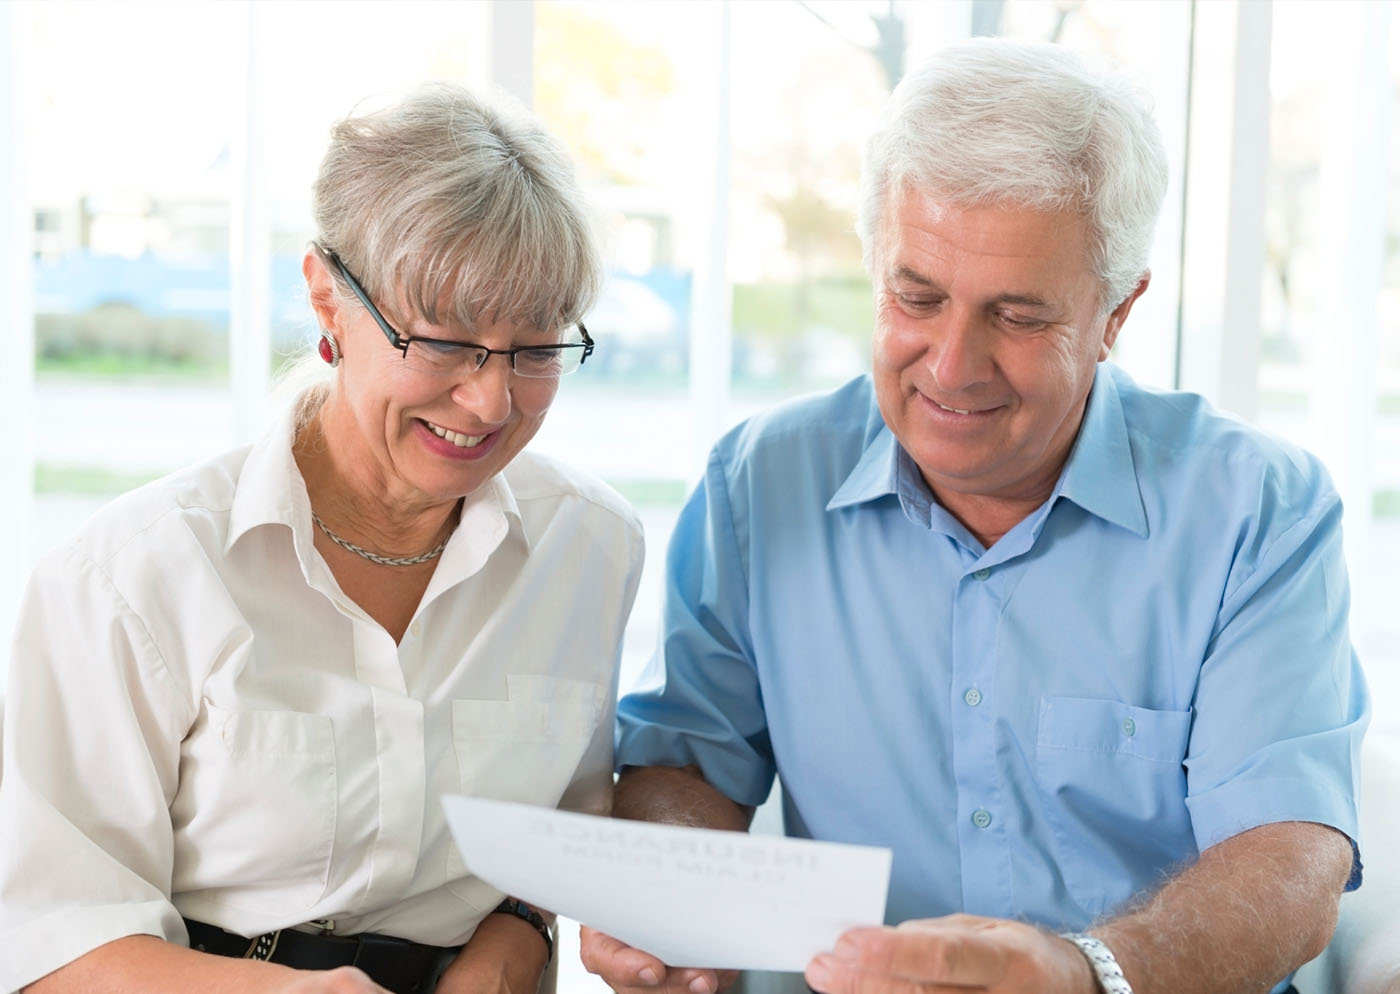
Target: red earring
[329,351]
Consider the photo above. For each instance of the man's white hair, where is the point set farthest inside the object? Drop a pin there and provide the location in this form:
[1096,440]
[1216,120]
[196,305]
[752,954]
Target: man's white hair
[997,121]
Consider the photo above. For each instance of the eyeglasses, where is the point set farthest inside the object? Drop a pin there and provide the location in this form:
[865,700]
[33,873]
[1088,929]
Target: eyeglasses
[444,357]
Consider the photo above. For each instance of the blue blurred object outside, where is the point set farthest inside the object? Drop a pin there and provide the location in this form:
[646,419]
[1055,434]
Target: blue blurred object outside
[641,320]
[196,287]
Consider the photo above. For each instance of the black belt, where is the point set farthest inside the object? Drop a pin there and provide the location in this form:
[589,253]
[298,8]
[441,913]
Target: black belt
[399,965]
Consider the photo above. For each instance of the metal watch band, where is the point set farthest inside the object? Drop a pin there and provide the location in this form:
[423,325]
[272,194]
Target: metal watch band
[1102,961]
[521,910]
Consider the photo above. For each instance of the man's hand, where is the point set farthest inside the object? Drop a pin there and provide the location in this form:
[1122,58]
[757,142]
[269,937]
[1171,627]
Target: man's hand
[631,971]
[964,951]
[669,796]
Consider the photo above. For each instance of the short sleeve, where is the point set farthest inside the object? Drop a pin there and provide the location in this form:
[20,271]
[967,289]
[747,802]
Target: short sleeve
[91,759]
[699,701]
[1281,704]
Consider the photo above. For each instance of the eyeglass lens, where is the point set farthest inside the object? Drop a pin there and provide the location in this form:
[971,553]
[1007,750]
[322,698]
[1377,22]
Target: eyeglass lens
[451,358]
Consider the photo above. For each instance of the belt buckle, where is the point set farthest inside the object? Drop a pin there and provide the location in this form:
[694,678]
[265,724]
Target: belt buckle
[263,947]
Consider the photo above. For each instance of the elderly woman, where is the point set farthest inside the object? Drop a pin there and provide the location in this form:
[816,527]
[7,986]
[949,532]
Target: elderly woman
[239,693]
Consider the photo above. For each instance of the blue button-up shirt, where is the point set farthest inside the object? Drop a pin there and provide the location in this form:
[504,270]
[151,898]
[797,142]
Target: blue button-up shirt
[1154,660]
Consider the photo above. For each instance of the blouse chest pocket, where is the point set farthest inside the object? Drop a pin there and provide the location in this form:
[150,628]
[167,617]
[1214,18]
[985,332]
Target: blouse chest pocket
[255,815]
[1115,788]
[523,749]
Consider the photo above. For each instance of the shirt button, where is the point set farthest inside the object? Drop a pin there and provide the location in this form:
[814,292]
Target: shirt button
[981,817]
[982,574]
[1129,726]
[416,629]
[973,697]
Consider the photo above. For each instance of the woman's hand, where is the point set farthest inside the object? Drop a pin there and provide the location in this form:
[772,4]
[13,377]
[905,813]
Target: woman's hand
[631,971]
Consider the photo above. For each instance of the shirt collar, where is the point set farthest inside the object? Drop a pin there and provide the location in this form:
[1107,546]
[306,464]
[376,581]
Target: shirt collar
[1099,475]
[876,474]
[271,490]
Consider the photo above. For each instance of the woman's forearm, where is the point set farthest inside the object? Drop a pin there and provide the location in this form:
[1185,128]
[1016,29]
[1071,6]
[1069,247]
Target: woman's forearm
[144,964]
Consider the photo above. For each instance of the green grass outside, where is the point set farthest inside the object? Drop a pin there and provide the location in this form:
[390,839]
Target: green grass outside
[1386,503]
[774,310]
[652,492]
[87,481]
[156,368]
[103,365]
[1283,400]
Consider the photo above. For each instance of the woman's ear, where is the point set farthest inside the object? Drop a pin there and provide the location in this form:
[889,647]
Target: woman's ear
[321,287]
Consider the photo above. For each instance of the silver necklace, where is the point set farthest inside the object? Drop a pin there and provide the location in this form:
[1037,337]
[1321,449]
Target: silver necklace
[375,557]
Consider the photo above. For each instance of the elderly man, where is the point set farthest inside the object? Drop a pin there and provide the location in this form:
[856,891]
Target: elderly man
[1075,650]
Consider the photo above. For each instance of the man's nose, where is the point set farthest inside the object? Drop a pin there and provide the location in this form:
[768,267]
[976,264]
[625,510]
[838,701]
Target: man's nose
[959,354]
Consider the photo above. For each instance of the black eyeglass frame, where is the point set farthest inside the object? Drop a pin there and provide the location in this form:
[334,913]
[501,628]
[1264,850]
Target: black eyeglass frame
[402,342]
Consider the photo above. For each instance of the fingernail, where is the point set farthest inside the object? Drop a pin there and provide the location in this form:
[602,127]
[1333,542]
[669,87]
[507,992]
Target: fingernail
[846,950]
[649,976]
[818,974]
[701,985]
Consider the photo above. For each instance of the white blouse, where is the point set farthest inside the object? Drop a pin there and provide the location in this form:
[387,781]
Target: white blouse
[200,723]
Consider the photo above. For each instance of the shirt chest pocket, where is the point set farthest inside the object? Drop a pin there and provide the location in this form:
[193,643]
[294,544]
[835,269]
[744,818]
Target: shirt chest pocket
[255,815]
[523,749]
[1115,795]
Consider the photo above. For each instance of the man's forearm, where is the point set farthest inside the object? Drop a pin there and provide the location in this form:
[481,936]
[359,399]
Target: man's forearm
[676,796]
[1251,910]
[505,953]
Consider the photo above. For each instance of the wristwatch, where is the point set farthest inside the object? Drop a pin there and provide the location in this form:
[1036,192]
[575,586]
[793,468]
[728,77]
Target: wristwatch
[1107,973]
[511,906]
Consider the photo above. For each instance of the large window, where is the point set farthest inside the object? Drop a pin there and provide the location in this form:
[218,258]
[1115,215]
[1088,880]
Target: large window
[168,148]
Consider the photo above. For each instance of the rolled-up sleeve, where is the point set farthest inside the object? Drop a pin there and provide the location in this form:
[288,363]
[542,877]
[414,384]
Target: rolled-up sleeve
[699,701]
[93,723]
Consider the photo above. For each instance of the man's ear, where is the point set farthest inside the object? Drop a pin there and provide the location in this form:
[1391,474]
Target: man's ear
[1114,323]
[321,287]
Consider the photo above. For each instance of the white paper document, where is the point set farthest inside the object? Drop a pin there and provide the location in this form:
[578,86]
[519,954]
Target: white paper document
[689,896]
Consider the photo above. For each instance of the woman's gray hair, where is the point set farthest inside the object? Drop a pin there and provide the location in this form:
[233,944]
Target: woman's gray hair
[997,121]
[469,209]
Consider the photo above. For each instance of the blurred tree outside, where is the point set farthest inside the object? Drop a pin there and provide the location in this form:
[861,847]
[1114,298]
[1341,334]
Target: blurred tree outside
[607,88]
[599,89]
[1289,235]
[1389,305]
[807,319]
